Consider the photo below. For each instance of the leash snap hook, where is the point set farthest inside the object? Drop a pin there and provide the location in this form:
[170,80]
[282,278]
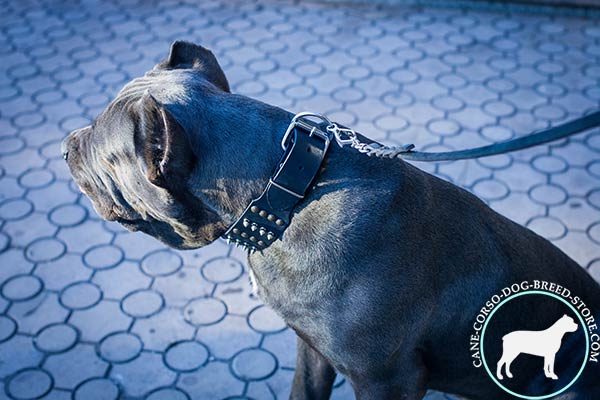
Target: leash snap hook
[342,136]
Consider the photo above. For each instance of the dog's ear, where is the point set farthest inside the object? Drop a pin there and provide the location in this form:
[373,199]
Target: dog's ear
[161,142]
[189,55]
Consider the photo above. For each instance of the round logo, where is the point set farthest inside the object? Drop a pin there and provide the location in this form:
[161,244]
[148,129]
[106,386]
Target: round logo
[535,356]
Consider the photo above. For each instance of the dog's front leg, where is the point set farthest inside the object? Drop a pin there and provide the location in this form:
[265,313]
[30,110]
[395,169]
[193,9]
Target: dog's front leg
[314,376]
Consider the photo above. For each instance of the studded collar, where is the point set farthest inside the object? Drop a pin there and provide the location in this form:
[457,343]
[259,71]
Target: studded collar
[305,144]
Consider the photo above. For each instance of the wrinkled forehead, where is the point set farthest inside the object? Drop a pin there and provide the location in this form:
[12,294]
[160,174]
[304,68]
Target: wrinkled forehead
[165,86]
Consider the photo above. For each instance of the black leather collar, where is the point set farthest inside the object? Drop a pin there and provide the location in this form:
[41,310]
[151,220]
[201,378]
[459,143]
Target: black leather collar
[265,219]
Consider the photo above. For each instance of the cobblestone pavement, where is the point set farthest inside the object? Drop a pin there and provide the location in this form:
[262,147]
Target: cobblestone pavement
[91,311]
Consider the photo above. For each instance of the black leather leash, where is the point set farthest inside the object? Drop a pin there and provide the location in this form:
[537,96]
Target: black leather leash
[346,136]
[305,145]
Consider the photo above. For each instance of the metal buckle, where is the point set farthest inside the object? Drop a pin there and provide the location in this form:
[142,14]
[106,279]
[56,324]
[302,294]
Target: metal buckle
[310,128]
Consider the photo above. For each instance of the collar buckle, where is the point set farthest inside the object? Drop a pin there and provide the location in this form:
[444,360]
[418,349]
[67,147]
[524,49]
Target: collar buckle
[312,129]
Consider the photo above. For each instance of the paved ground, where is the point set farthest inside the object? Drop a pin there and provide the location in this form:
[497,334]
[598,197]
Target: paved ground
[91,311]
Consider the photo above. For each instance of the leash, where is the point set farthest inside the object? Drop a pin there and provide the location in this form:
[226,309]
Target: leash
[345,136]
[305,145]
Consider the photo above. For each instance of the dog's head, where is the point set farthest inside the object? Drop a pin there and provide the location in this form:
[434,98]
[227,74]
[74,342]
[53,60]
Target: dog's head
[567,323]
[134,162]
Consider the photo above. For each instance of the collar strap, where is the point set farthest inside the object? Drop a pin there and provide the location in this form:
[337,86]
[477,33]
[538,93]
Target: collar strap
[305,144]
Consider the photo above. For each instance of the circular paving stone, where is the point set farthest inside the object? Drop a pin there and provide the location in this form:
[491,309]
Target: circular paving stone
[456,59]
[491,189]
[443,127]
[29,384]
[36,178]
[299,91]
[94,100]
[548,227]
[222,270]
[15,209]
[498,108]
[161,263]
[362,51]
[45,249]
[497,133]
[409,54]
[251,87]
[68,215]
[120,347]
[501,85]
[348,95]
[11,145]
[448,103]
[67,74]
[404,76]
[111,77]
[8,327]
[452,80]
[549,164]
[391,123]
[317,49]
[356,72]
[503,64]
[97,389]
[550,89]
[49,96]
[253,364]
[204,311]
[168,394]
[56,338]
[80,295]
[142,304]
[548,194]
[8,93]
[499,161]
[594,198]
[550,112]
[29,119]
[594,232]
[398,99]
[547,67]
[264,320]
[308,69]
[505,44]
[103,257]
[22,287]
[186,356]
[262,66]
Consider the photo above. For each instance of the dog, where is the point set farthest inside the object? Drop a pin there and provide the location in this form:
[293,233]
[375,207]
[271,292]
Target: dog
[383,267]
[544,343]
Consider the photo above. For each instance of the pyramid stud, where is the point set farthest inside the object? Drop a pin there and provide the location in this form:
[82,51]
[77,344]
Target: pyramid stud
[279,222]
[262,213]
[252,239]
[244,235]
[261,243]
[254,209]
[236,231]
[253,227]
[271,217]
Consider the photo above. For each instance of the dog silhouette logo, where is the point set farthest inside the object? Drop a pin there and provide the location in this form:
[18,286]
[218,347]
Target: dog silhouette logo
[544,343]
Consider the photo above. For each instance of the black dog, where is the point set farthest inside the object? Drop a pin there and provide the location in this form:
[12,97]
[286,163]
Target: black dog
[383,268]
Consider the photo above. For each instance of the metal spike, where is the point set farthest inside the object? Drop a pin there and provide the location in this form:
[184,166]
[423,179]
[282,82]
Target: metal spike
[252,250]
[228,239]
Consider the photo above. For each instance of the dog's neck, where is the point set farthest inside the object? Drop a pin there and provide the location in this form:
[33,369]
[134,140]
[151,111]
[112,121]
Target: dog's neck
[237,149]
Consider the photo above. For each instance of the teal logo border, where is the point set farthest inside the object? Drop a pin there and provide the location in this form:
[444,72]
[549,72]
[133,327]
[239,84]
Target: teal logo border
[587,345]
